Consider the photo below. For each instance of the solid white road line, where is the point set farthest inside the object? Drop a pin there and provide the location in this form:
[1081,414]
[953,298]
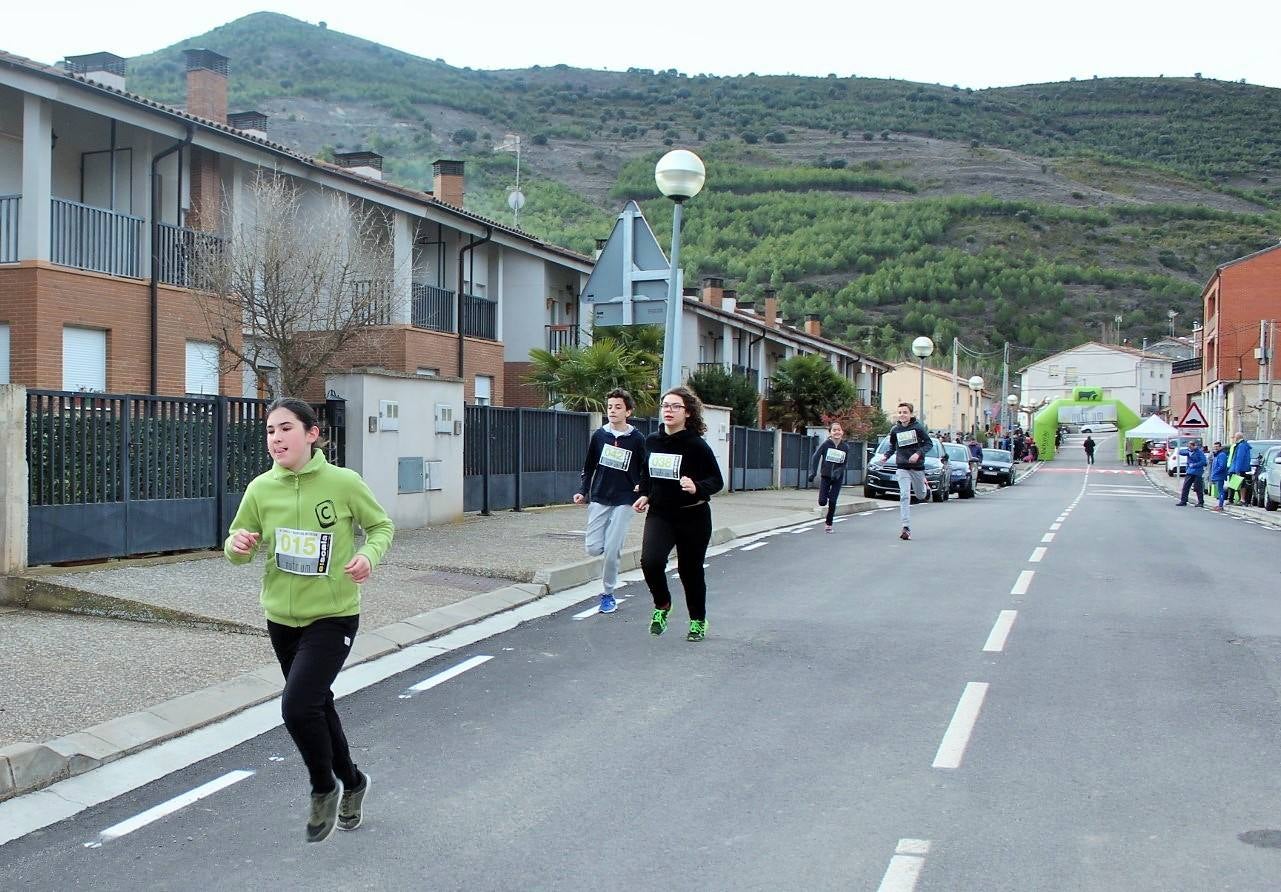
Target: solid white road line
[754,545]
[446,675]
[957,736]
[1021,584]
[1048,537]
[1000,631]
[157,812]
[1037,554]
[905,867]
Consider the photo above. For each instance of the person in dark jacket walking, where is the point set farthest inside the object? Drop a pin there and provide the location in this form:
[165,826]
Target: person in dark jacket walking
[1088,446]
[1193,482]
[1219,474]
[830,459]
[611,476]
[680,477]
[908,442]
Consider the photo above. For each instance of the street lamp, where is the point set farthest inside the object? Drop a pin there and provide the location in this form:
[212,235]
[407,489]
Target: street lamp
[1013,402]
[679,175]
[922,347]
[976,388]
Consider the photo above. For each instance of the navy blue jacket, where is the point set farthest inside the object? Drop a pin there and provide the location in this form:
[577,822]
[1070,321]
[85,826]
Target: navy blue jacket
[831,470]
[916,442]
[1196,462]
[611,486]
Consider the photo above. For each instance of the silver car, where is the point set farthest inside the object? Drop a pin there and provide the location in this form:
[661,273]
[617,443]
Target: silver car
[1268,479]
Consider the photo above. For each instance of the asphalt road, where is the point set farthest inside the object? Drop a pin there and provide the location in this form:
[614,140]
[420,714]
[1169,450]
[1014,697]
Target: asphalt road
[957,712]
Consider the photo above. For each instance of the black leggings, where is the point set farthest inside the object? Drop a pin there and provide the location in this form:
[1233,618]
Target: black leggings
[689,530]
[829,489]
[310,658]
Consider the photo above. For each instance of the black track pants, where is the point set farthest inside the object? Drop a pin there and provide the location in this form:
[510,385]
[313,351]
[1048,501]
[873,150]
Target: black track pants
[310,658]
[688,530]
[829,490]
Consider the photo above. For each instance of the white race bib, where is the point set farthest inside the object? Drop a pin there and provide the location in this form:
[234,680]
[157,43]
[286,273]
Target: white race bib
[906,438]
[303,552]
[836,456]
[615,457]
[664,466]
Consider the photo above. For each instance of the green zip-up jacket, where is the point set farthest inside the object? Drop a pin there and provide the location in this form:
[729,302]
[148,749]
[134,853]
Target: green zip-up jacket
[307,521]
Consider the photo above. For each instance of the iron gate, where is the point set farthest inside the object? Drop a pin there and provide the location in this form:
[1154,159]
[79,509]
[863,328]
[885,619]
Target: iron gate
[751,458]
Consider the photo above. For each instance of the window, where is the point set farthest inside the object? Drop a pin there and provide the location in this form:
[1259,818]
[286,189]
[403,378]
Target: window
[4,354]
[1052,371]
[1069,375]
[202,367]
[484,389]
[424,372]
[84,359]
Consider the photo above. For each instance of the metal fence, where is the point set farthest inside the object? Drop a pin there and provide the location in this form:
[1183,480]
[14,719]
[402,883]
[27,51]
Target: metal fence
[516,458]
[179,250]
[794,469]
[95,239]
[113,475]
[480,317]
[751,458]
[432,308]
[10,205]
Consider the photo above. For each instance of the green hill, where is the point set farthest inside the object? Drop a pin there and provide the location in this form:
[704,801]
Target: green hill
[1029,214]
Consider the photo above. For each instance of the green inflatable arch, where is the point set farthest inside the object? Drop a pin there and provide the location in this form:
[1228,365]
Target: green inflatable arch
[1046,422]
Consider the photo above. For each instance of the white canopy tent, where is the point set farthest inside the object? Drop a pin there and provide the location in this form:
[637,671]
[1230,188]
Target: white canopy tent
[1152,428]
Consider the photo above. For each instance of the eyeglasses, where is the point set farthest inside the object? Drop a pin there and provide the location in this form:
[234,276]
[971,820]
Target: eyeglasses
[673,406]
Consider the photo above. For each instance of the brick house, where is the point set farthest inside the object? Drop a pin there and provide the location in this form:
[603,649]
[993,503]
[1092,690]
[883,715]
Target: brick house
[1242,306]
[102,191]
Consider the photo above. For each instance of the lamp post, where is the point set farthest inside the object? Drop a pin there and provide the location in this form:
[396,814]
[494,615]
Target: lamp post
[976,390]
[679,175]
[922,347]
[1013,402]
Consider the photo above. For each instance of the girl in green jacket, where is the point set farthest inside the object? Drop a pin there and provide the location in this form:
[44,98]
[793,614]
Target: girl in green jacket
[304,512]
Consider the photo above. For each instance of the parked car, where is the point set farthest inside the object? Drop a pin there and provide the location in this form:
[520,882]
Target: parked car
[961,470]
[1176,455]
[1100,427]
[1269,479]
[998,465]
[881,480]
[1260,469]
[1158,452]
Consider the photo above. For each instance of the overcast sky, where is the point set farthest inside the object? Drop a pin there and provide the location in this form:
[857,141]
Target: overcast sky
[975,44]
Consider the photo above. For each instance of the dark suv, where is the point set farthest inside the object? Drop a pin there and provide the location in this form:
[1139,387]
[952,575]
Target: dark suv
[881,480]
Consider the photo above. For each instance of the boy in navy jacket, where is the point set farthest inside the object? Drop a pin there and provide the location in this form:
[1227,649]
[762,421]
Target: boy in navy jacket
[611,473]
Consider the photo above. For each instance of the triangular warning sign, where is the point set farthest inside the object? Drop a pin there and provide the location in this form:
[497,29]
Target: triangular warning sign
[1193,418]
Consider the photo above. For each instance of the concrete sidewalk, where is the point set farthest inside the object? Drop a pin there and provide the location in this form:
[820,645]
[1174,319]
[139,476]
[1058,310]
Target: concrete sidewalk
[107,660]
[1174,486]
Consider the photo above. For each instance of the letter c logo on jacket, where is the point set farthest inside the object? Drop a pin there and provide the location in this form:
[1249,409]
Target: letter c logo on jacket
[326,514]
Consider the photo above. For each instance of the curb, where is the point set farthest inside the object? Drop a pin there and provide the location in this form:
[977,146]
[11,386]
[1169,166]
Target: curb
[26,767]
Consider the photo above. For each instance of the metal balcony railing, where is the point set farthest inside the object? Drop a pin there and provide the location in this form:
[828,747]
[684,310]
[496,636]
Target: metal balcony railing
[181,252]
[433,308]
[96,239]
[561,336]
[9,207]
[480,317]
[745,371]
[371,301]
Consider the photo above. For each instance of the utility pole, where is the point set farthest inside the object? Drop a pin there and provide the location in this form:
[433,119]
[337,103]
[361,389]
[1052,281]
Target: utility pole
[1265,379]
[955,407]
[1005,388]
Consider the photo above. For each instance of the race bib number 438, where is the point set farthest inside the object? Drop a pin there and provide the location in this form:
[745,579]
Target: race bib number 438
[303,552]
[664,466]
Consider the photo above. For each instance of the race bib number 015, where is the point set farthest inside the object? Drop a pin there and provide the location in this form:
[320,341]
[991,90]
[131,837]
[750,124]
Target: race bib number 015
[836,456]
[303,552]
[906,438]
[615,457]
[664,466]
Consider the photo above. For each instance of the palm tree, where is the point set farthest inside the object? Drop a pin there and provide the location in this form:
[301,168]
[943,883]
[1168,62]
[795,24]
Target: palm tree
[803,389]
[579,377]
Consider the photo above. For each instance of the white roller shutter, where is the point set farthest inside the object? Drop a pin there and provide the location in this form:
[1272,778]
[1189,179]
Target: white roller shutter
[202,367]
[4,354]
[84,359]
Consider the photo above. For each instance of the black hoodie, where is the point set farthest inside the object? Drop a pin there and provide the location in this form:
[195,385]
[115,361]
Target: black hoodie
[607,484]
[670,457]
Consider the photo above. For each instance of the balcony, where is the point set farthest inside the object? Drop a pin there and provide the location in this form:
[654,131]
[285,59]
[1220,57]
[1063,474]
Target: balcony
[9,205]
[480,317]
[96,239]
[371,301]
[561,336]
[180,251]
[744,371]
[433,308]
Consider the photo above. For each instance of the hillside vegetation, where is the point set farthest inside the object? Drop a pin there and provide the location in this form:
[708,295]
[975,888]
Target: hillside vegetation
[1029,214]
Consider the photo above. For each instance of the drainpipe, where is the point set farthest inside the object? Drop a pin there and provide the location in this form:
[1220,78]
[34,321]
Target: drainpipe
[471,245]
[152,286]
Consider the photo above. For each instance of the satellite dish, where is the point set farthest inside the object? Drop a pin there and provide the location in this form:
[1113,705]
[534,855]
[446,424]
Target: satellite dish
[516,199]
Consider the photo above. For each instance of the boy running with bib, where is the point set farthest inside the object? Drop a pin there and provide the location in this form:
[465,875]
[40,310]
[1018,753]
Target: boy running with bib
[831,458]
[611,474]
[908,442]
[304,512]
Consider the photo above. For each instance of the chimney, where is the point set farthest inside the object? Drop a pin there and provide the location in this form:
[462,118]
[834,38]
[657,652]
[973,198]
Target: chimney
[206,85]
[448,181]
[729,301]
[771,308]
[600,247]
[107,69]
[746,305]
[252,122]
[367,164]
[713,290]
[690,291]
[813,326]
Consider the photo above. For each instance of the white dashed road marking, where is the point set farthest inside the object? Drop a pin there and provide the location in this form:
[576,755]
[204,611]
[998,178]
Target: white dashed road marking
[157,812]
[957,736]
[1037,554]
[1000,631]
[905,867]
[1023,582]
[446,675]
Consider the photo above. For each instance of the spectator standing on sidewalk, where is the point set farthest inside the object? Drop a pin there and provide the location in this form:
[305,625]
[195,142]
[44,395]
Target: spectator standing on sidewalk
[1088,445]
[908,442]
[830,459]
[1193,482]
[1219,474]
[680,478]
[1239,466]
[611,476]
[304,511]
